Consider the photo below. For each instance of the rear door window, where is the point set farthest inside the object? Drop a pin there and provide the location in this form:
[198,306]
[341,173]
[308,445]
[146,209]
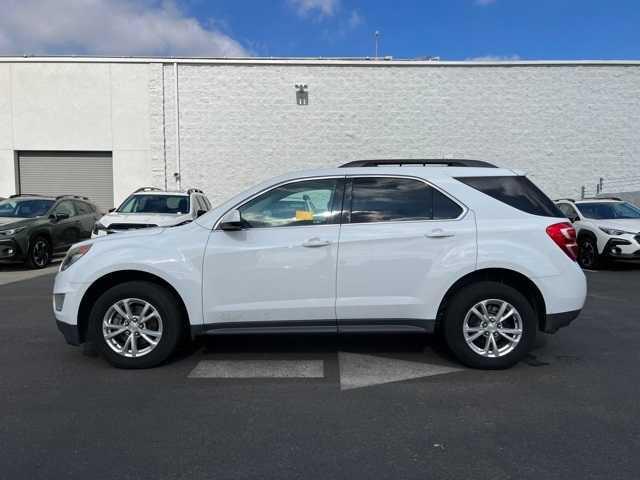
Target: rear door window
[388,199]
[516,191]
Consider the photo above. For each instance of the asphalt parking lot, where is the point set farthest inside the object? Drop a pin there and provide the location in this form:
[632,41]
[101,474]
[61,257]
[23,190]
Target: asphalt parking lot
[359,407]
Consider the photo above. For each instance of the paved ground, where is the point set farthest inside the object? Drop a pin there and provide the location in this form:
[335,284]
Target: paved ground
[571,411]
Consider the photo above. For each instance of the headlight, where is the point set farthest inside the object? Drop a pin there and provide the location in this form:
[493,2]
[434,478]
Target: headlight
[614,231]
[97,227]
[73,255]
[11,232]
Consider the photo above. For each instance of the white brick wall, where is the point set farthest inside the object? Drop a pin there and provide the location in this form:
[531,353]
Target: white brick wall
[565,125]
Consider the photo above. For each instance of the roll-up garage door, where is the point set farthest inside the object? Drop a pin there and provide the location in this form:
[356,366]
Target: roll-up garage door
[89,174]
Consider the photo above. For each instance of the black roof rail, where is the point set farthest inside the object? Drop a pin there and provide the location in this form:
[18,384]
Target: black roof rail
[28,195]
[567,199]
[617,199]
[194,190]
[72,196]
[423,162]
[148,189]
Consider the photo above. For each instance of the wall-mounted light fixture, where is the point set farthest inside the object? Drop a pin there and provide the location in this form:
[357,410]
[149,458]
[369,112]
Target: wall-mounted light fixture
[302,94]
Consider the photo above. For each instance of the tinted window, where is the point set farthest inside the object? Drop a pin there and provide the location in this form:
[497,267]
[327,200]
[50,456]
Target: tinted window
[171,204]
[443,207]
[380,199]
[24,208]
[518,192]
[609,210]
[567,210]
[299,203]
[65,207]
[83,208]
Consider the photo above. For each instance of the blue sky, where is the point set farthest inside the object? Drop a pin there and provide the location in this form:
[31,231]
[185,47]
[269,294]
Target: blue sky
[450,29]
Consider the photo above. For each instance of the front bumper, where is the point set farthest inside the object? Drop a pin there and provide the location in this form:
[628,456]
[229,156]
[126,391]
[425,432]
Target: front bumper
[622,249]
[10,249]
[555,321]
[70,332]
[66,307]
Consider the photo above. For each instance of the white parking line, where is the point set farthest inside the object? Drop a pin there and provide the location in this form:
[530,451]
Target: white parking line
[258,369]
[358,370]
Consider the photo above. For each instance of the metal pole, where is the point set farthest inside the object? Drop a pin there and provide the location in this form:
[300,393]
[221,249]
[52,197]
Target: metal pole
[582,189]
[377,37]
[178,173]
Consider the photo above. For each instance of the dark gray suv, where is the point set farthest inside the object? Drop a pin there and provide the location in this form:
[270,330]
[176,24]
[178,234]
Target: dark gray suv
[33,227]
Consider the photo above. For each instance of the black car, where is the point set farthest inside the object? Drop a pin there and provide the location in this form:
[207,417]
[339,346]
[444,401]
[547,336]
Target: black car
[33,227]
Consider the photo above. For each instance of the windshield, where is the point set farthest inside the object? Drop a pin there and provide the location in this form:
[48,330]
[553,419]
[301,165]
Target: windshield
[24,208]
[609,210]
[168,204]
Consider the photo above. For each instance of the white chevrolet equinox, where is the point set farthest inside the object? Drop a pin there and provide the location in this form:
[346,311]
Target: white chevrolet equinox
[460,247]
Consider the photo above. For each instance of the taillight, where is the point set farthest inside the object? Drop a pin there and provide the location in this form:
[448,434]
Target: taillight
[564,235]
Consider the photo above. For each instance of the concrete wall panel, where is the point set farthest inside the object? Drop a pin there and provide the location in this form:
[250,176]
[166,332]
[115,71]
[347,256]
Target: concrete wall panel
[61,106]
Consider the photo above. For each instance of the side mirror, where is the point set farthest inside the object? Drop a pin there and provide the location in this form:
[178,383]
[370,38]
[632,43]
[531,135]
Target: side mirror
[112,210]
[231,221]
[59,216]
[574,219]
[199,213]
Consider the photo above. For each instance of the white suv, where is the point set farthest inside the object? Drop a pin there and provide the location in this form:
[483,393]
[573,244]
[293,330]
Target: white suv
[607,228]
[475,252]
[151,207]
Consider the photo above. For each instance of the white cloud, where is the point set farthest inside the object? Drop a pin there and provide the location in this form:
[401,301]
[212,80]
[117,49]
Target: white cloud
[495,58]
[108,27]
[355,20]
[484,3]
[326,8]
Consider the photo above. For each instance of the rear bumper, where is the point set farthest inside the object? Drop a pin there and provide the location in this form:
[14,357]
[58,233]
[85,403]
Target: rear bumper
[70,332]
[555,321]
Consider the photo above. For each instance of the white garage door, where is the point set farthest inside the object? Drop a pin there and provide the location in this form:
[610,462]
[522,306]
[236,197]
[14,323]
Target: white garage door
[89,174]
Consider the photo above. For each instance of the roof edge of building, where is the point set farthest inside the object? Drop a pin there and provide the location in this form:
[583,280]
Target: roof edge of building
[363,62]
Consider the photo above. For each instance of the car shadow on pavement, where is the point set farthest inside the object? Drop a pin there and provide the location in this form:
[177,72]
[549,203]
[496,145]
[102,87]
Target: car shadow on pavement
[317,345]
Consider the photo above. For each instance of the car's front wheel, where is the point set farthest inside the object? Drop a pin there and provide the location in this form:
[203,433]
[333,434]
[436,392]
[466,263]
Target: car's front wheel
[489,325]
[136,325]
[39,254]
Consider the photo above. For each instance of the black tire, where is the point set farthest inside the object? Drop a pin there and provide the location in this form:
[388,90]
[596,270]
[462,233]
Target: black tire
[463,301]
[39,253]
[166,305]
[588,256]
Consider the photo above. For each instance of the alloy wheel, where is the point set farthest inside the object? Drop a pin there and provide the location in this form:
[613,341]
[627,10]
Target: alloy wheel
[492,328]
[587,254]
[132,327]
[40,254]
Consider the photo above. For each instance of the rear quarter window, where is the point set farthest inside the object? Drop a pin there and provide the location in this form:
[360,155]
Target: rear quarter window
[516,191]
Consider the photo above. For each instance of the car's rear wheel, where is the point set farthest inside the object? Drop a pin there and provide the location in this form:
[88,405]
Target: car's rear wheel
[39,254]
[588,253]
[136,325]
[489,325]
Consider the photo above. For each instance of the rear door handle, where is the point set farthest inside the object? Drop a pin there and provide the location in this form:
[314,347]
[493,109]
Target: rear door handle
[439,233]
[316,242]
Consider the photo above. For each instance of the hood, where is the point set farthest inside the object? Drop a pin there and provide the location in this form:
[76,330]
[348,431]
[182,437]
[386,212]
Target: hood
[628,225]
[160,219]
[141,232]
[10,222]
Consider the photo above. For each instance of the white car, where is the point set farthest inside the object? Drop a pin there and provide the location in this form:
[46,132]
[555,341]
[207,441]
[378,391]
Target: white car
[476,252]
[607,228]
[151,207]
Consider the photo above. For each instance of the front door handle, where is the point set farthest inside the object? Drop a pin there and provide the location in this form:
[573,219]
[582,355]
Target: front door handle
[439,233]
[316,242]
